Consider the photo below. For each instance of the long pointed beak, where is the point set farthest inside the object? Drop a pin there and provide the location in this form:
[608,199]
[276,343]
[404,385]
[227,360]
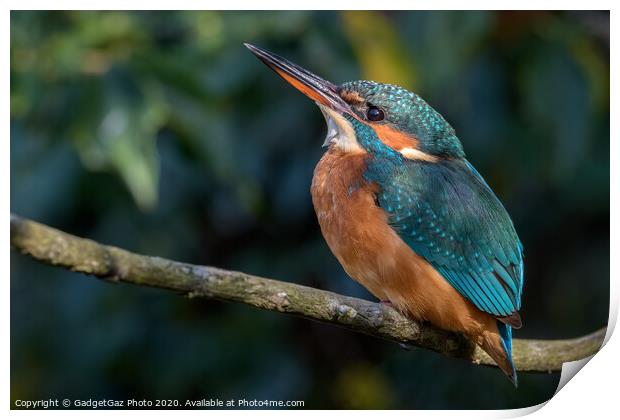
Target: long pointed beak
[311,85]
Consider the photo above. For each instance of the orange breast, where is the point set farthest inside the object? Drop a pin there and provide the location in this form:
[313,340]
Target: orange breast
[371,252]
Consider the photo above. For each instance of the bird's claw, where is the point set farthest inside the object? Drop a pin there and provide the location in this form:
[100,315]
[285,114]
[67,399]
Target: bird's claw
[407,347]
[387,303]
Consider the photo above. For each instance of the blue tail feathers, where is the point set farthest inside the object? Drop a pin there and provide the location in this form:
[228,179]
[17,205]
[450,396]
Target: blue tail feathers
[505,331]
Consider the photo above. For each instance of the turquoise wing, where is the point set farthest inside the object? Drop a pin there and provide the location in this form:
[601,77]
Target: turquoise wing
[447,214]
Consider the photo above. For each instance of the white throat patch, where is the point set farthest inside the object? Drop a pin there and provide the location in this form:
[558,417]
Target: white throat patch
[340,132]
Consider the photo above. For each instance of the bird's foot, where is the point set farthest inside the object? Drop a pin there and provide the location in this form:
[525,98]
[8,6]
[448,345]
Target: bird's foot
[404,346]
[407,347]
[387,303]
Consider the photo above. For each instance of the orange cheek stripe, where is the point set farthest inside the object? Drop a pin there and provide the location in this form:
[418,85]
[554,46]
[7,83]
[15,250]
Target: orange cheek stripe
[306,90]
[394,138]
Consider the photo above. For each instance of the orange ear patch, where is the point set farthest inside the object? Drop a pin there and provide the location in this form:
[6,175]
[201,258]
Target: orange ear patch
[403,143]
[397,140]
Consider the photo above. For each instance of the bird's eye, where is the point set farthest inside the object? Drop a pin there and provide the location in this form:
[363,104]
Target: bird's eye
[374,114]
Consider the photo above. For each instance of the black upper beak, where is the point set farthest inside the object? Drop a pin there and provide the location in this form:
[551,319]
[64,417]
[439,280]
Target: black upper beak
[316,88]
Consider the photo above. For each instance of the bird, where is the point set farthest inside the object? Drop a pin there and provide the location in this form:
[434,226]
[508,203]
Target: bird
[407,215]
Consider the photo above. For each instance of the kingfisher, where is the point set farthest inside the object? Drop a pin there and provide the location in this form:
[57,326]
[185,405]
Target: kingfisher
[407,215]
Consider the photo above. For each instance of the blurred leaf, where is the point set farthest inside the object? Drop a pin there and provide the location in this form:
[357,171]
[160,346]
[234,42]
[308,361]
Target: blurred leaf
[363,387]
[382,55]
[130,136]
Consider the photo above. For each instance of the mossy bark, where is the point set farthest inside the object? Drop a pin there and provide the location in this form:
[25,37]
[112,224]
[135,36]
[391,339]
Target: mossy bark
[58,248]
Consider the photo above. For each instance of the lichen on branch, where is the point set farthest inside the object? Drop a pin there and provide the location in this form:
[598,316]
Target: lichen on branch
[54,247]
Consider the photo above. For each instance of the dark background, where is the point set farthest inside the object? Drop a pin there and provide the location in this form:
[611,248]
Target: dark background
[160,133]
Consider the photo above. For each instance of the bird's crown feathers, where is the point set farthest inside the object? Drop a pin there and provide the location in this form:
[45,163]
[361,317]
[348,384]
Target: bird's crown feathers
[407,112]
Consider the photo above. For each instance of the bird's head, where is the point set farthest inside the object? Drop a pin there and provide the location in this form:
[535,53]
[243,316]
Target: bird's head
[368,116]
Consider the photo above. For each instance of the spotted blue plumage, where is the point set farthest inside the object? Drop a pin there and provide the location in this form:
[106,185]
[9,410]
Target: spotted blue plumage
[443,209]
[448,215]
[455,222]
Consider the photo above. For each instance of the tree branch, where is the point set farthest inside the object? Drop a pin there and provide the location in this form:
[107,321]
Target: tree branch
[54,247]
